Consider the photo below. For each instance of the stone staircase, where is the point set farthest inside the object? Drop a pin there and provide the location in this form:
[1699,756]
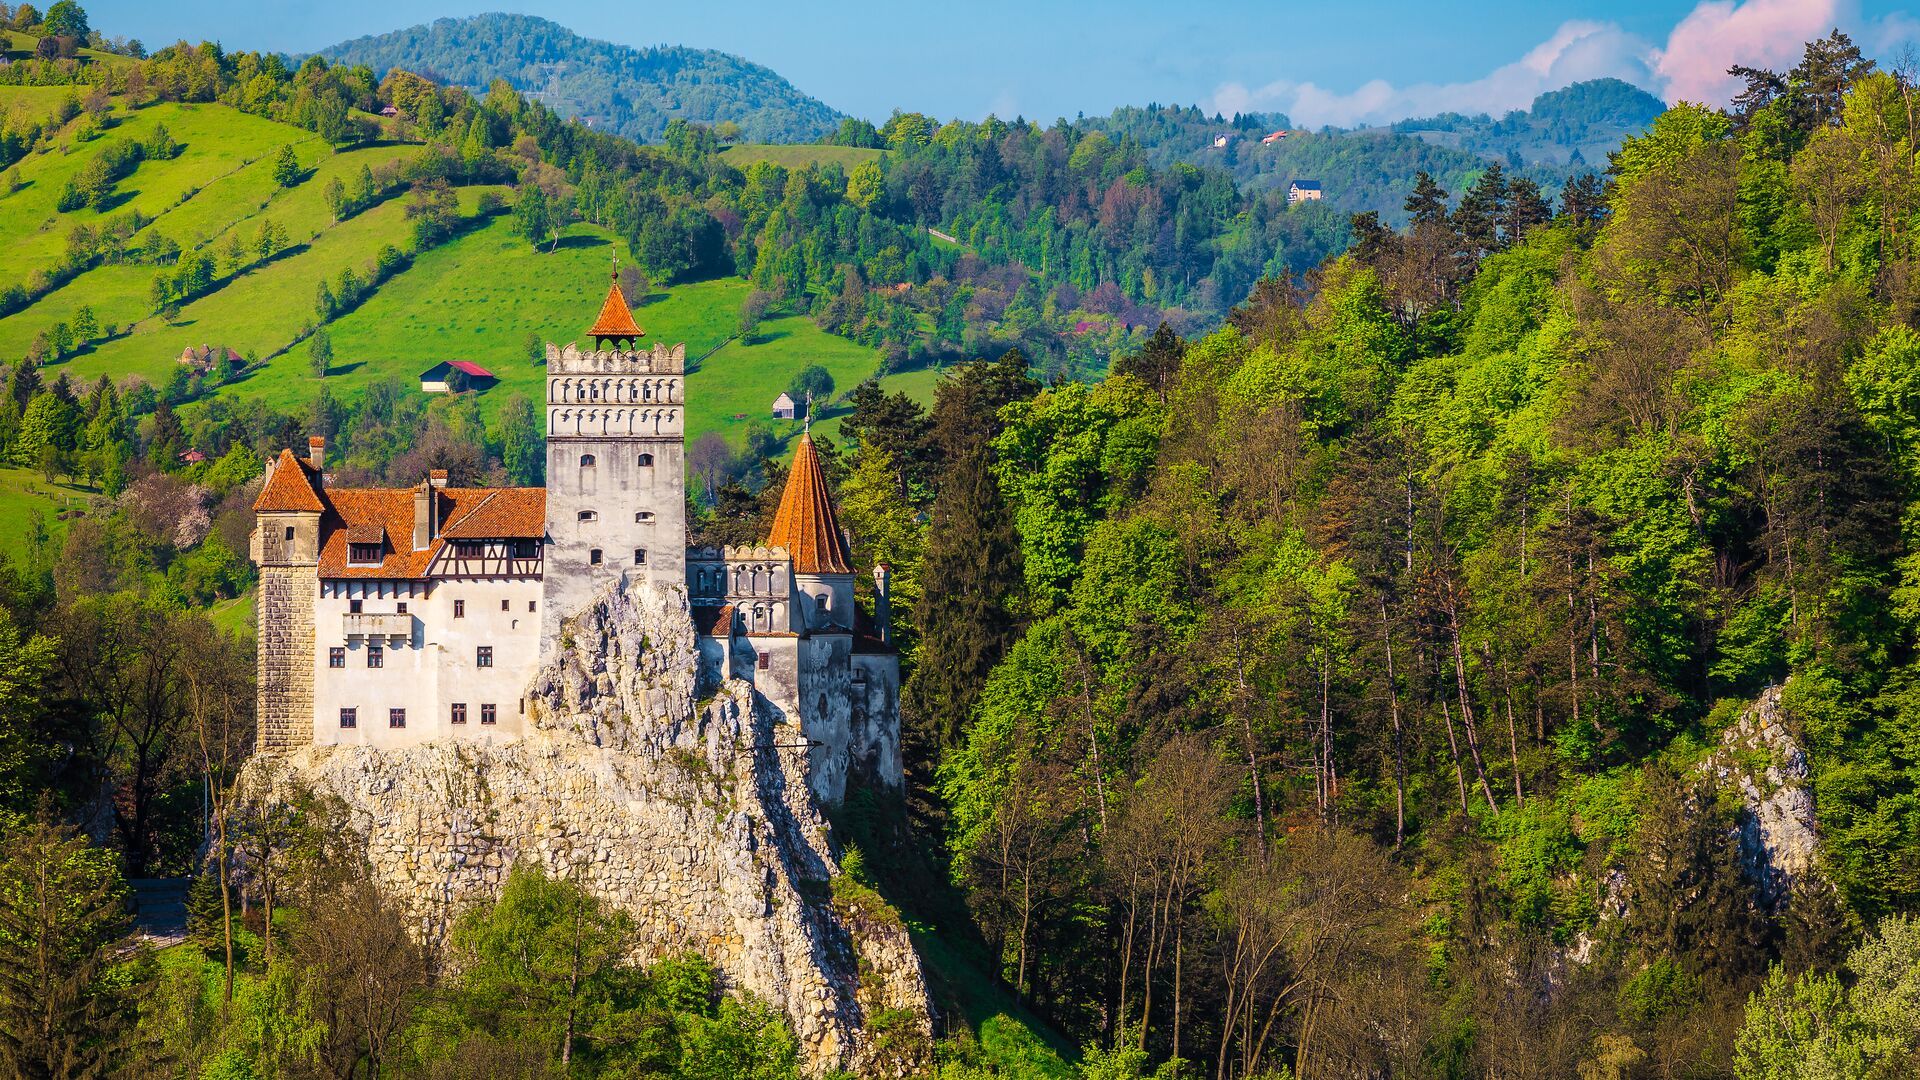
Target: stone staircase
[160,909]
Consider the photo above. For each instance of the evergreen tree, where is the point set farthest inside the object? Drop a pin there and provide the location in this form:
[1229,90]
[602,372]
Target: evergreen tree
[61,917]
[286,167]
[1428,203]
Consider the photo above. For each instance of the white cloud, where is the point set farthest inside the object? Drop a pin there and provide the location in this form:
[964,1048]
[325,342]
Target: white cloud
[1719,33]
[1577,50]
[1691,65]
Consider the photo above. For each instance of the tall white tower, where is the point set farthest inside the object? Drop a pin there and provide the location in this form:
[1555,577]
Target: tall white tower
[616,465]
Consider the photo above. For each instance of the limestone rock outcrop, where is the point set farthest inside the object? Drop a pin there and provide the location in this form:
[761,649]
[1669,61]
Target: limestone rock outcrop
[1760,758]
[693,816]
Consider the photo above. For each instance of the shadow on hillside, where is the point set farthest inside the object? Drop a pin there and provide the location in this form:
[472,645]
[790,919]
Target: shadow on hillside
[346,369]
[765,337]
[571,242]
[115,201]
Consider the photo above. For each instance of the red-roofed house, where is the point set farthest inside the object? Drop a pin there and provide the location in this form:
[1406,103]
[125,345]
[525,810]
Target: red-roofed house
[439,379]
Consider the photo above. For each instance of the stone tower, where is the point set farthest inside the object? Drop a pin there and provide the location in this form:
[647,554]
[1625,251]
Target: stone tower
[616,465]
[286,547]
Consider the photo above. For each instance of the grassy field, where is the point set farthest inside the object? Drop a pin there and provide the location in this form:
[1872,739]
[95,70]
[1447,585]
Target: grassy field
[798,156]
[478,297]
[24,492]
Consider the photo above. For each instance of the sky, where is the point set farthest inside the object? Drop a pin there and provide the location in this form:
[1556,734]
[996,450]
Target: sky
[1345,62]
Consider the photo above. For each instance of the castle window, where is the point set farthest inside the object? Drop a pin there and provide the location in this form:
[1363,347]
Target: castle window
[365,554]
[459,609]
[586,461]
[336,657]
[646,461]
[526,549]
[353,607]
[766,660]
[639,556]
[593,557]
[643,516]
[396,718]
[468,549]
[588,515]
[376,656]
[459,712]
[506,605]
[533,605]
[859,676]
[289,532]
[349,717]
[400,608]
[484,657]
[487,714]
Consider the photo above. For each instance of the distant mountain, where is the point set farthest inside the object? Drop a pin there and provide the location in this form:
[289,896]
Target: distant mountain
[1581,123]
[1565,132]
[628,91]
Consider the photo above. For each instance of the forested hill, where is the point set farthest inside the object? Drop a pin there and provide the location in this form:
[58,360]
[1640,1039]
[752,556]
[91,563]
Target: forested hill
[627,91]
[1565,133]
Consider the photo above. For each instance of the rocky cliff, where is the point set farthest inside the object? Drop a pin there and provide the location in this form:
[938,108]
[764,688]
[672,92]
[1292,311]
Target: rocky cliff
[694,816]
[1759,758]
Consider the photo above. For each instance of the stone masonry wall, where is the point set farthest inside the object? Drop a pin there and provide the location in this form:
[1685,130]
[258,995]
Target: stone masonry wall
[284,657]
[694,817]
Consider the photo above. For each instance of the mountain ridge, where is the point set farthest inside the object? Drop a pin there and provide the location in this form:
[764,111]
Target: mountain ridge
[631,91]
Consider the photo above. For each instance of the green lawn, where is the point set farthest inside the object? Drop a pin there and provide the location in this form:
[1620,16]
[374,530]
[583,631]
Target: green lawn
[798,156]
[235,616]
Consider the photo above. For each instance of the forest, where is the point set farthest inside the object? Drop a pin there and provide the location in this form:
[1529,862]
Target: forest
[1368,687]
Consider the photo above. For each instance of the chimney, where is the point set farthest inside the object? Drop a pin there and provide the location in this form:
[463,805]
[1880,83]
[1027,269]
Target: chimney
[437,477]
[882,614]
[316,451]
[422,516]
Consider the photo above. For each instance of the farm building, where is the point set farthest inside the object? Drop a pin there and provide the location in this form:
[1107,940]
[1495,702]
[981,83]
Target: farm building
[784,408]
[1301,191]
[443,377]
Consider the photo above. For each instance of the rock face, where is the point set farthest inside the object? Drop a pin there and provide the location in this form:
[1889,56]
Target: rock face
[1760,758]
[694,817]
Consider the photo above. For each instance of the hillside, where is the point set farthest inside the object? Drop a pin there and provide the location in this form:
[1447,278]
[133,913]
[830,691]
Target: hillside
[626,91]
[1564,133]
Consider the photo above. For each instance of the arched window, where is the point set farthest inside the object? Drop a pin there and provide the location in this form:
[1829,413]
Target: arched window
[589,515]
[646,461]
[586,461]
[643,516]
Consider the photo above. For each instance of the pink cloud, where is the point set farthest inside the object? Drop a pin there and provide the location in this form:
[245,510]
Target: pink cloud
[1759,33]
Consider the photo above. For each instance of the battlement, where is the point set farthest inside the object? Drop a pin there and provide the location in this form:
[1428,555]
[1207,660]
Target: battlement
[754,553]
[570,359]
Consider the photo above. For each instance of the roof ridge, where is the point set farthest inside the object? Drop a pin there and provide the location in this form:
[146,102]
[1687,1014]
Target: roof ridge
[474,509]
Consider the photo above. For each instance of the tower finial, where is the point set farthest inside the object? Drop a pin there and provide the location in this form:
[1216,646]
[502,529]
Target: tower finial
[806,423]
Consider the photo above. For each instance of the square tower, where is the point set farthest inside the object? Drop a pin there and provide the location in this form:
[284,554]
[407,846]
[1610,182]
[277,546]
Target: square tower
[616,466]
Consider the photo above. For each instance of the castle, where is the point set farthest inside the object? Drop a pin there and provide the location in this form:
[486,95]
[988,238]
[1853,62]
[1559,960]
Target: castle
[391,617]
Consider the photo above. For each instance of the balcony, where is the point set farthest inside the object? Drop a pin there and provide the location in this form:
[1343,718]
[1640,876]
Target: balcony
[388,625]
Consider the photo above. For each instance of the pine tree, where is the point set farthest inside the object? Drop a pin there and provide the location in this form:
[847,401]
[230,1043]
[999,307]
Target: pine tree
[61,913]
[286,167]
[1428,203]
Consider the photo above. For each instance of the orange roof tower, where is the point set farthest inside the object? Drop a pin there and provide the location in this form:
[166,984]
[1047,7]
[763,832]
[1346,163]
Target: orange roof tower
[615,322]
[288,489]
[805,524]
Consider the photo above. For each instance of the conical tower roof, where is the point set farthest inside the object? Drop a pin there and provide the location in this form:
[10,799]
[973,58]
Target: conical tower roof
[805,525]
[616,319]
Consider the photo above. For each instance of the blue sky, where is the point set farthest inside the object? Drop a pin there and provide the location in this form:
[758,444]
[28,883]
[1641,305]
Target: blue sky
[1344,62]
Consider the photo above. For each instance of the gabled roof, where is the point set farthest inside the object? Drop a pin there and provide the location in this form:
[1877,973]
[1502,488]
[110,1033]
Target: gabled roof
[498,513]
[616,320]
[1305,185]
[289,488]
[805,524]
[466,367]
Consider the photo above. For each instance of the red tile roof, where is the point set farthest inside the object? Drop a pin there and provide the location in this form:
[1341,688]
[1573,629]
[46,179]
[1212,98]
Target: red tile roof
[616,319]
[805,524]
[494,513]
[289,488]
[470,368]
[714,621]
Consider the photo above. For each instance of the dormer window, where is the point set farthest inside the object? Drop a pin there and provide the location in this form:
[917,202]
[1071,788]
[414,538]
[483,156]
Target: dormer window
[646,461]
[586,461]
[363,554]
[589,515]
[526,549]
